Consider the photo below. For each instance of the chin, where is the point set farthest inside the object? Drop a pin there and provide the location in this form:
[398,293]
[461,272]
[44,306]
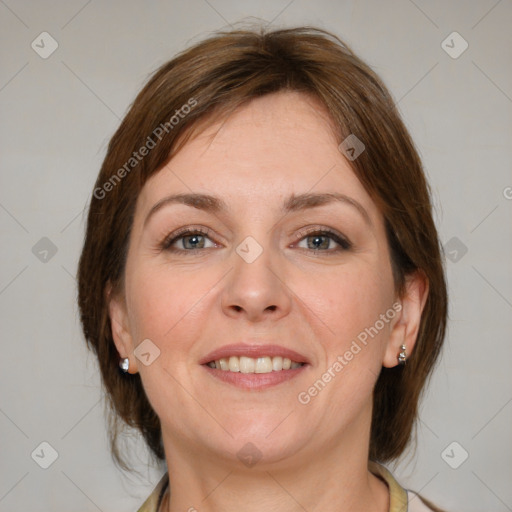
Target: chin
[269,440]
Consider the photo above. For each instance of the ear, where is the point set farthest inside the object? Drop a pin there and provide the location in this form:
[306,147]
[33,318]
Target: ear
[407,323]
[120,327]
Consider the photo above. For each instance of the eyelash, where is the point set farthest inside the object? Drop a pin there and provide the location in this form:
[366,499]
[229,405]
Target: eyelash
[343,243]
[173,237]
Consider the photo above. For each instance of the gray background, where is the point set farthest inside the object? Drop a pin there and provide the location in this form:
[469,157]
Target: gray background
[57,115]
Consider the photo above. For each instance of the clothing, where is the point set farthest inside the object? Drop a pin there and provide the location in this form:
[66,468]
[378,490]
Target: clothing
[400,500]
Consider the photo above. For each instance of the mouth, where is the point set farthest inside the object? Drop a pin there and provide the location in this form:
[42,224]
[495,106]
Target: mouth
[254,367]
[244,364]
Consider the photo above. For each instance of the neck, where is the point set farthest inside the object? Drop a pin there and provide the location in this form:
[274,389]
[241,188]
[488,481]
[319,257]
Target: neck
[333,479]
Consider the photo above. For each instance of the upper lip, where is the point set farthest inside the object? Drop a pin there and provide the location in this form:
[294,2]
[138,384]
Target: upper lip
[253,350]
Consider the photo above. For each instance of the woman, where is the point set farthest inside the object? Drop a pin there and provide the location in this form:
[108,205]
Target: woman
[262,263]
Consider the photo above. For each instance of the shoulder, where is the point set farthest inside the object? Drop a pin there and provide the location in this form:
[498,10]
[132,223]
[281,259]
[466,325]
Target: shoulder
[152,503]
[401,500]
[417,503]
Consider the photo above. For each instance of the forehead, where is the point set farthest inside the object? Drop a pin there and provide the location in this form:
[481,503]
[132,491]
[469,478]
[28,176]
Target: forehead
[280,144]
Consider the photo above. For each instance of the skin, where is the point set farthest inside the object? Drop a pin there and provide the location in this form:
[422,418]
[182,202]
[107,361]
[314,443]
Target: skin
[312,300]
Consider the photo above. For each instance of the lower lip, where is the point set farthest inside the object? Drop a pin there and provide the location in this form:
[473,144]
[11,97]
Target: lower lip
[255,381]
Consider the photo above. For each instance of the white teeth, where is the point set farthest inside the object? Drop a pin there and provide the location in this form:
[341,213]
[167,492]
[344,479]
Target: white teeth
[224,365]
[234,364]
[277,363]
[245,364]
[263,365]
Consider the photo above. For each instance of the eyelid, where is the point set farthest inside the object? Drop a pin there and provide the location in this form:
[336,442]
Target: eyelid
[344,242]
[341,240]
[166,243]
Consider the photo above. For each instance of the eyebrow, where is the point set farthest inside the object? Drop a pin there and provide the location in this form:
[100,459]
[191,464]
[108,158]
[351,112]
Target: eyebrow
[293,203]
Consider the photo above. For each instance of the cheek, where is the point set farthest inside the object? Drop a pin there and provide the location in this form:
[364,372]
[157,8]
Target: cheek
[170,308]
[166,305]
[348,301]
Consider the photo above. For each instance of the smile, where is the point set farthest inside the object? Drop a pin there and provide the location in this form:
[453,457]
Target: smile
[243,364]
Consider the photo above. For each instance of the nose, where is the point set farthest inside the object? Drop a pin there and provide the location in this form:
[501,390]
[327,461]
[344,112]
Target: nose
[256,290]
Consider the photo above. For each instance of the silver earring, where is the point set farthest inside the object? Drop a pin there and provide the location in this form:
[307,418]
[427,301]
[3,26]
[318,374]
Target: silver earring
[124,364]
[402,356]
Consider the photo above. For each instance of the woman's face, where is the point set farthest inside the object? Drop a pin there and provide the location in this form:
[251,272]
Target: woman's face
[281,253]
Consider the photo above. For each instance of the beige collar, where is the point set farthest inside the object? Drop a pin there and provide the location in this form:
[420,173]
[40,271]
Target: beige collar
[159,498]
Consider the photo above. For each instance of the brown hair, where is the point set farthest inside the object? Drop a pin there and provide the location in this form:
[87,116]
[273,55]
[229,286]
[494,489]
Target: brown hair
[214,78]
